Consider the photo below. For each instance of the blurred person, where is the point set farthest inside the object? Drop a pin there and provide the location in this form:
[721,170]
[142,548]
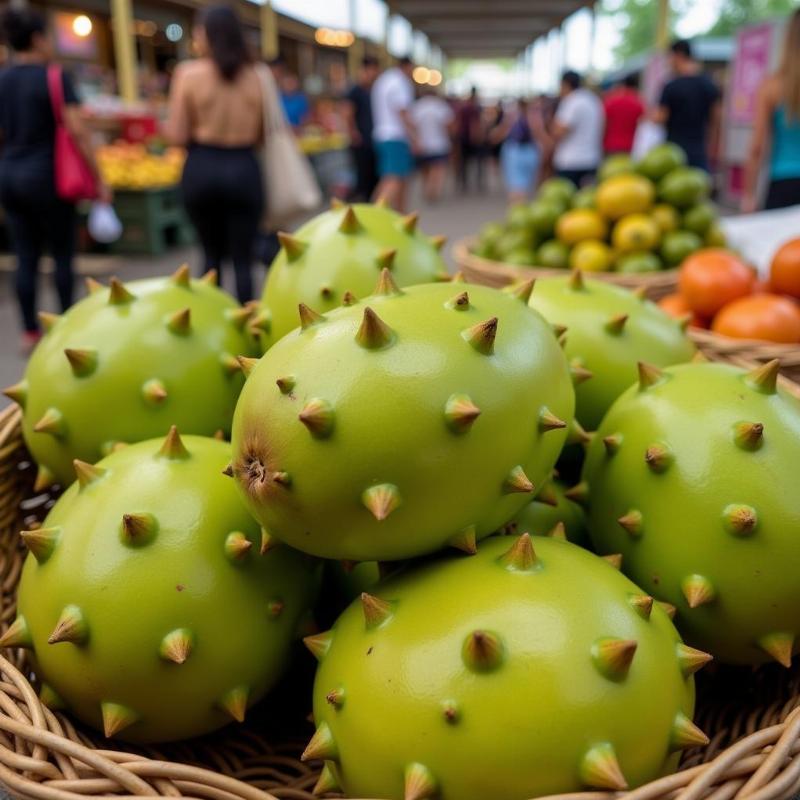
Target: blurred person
[623,108]
[216,109]
[689,107]
[521,135]
[469,133]
[493,120]
[433,119]
[777,130]
[294,99]
[393,133]
[35,214]
[357,108]
[577,131]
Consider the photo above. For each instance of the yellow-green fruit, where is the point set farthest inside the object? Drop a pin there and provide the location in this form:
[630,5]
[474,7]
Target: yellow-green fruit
[154,609]
[340,254]
[666,217]
[553,513]
[635,233]
[624,194]
[591,256]
[410,420]
[579,225]
[529,669]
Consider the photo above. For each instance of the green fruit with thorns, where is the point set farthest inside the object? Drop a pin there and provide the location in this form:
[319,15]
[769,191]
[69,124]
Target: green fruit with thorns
[693,478]
[152,608]
[412,420]
[554,513]
[532,668]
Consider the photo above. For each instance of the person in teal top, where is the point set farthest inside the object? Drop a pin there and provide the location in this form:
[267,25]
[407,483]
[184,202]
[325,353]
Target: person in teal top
[777,130]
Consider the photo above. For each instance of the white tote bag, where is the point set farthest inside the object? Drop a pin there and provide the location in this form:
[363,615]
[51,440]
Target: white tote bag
[289,181]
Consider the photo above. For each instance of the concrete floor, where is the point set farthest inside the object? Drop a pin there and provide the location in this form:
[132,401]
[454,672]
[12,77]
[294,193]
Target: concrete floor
[456,216]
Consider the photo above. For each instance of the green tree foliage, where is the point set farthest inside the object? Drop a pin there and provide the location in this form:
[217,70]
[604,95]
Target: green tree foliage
[736,13]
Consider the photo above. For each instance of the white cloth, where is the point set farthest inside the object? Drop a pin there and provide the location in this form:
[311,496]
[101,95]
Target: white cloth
[432,116]
[581,112]
[391,94]
[758,236]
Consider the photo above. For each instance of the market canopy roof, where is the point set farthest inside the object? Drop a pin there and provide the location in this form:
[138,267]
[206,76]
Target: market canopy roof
[485,28]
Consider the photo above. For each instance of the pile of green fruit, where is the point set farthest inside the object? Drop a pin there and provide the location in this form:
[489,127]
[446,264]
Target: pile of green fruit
[485,627]
[639,217]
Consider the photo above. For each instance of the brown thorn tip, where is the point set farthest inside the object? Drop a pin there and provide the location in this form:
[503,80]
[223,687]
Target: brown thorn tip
[686,734]
[698,590]
[616,324]
[18,393]
[349,299]
[139,528]
[649,375]
[211,278]
[632,522]
[51,422]
[642,604]
[237,546]
[691,660]
[460,302]
[579,493]
[549,421]
[180,322]
[92,285]
[154,391]
[576,280]
[740,519]
[465,540]
[349,223]
[579,372]
[177,645]
[318,644]
[518,481]
[668,609]
[558,531]
[41,542]
[482,335]
[286,384]
[116,718]
[460,413]
[600,769]
[47,320]
[247,364]
[615,559]
[234,702]
[780,646]
[386,284]
[318,416]
[83,361]
[71,627]
[439,241]
[17,634]
[482,651]
[409,222]
[173,447]
[376,611]
[373,333]
[613,657]
[386,259]
[86,473]
[522,290]
[612,443]
[547,495]
[118,295]
[326,783]
[321,746]
[419,783]
[308,316]
[748,435]
[520,557]
[381,500]
[182,276]
[292,245]
[765,378]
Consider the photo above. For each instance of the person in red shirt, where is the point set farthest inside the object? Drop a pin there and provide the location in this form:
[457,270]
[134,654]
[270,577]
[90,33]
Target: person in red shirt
[624,108]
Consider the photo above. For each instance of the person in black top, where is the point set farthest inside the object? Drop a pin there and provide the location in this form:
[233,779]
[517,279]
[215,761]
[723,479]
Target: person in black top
[358,113]
[35,215]
[689,106]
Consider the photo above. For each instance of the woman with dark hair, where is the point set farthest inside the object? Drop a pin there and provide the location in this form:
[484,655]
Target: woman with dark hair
[216,108]
[35,214]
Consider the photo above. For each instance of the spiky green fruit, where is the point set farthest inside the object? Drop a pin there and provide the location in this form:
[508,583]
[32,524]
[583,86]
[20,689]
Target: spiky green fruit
[125,363]
[432,426]
[468,684]
[344,250]
[713,531]
[609,330]
[140,619]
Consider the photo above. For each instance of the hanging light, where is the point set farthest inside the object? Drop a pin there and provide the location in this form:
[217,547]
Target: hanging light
[421,74]
[82,26]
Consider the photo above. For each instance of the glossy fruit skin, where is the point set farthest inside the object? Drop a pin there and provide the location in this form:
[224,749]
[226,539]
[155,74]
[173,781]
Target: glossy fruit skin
[638,262]
[543,215]
[771,317]
[553,254]
[335,262]
[648,334]
[591,256]
[132,595]
[677,246]
[499,733]
[666,217]
[711,278]
[539,518]
[694,412]
[661,160]
[624,194]
[617,164]
[579,225]
[558,189]
[584,198]
[699,219]
[389,406]
[784,273]
[684,187]
[635,233]
[134,345]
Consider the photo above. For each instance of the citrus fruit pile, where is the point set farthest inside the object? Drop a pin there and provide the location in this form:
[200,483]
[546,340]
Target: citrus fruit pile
[717,290]
[640,217]
[125,165]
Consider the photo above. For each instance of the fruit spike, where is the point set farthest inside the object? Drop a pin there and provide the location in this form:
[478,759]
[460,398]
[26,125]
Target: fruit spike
[640,292]
[576,434]
[18,393]
[177,645]
[239,316]
[210,278]
[139,528]
[698,590]
[86,473]
[520,557]
[613,657]
[173,447]
[326,783]
[47,320]
[465,540]
[182,276]
[616,324]
[17,634]
[642,604]
[349,223]
[482,651]
[460,302]
[116,718]
[92,285]
[71,627]
[668,609]
[764,378]
[268,542]
[558,531]
[44,479]
[579,372]
[154,392]
[658,457]
[308,316]
[517,481]
[521,290]
[548,421]
[180,323]
[748,435]
[632,522]
[409,222]
[260,323]
[482,335]
[321,746]
[600,769]
[52,422]
[373,333]
[615,559]
[349,299]
[337,203]
[576,281]
[376,611]
[318,644]
[282,478]
[460,413]
[41,542]
[318,416]
[293,246]
[740,519]
[381,500]
[612,443]
[547,495]
[237,546]
[386,258]
[386,285]
[83,361]
[286,384]
[246,364]
[691,660]
[439,241]
[335,698]
[229,364]
[686,734]
[579,493]
[779,646]
[450,711]
[419,783]
[118,295]
[649,375]
[234,702]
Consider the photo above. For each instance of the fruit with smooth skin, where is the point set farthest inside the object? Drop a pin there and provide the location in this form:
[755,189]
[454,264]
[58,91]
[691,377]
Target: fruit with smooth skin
[771,317]
[635,233]
[661,160]
[529,669]
[699,219]
[559,190]
[329,431]
[543,216]
[711,278]
[617,164]
[552,513]
[584,198]
[580,225]
[638,262]
[553,255]
[784,271]
[608,330]
[684,187]
[699,496]
[591,256]
[153,610]
[344,250]
[624,194]
[678,246]
[666,217]
[125,363]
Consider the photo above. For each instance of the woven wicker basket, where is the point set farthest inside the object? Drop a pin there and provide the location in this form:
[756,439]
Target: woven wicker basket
[496,273]
[751,715]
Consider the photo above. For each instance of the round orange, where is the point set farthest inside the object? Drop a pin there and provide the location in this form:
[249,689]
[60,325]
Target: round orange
[771,317]
[675,305]
[711,278]
[784,272]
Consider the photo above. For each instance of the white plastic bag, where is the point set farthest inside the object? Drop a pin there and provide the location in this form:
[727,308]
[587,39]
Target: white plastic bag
[648,135]
[104,224]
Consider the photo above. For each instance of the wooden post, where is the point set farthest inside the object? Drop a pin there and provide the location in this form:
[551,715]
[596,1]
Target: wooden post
[269,31]
[125,49]
[662,26]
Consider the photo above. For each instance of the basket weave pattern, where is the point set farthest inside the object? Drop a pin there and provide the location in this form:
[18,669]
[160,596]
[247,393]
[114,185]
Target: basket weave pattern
[752,717]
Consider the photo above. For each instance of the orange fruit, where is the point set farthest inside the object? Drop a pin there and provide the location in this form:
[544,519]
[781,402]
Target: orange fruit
[711,278]
[771,317]
[675,305]
[784,272]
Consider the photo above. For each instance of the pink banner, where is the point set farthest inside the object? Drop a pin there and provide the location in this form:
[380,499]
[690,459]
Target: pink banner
[751,65]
